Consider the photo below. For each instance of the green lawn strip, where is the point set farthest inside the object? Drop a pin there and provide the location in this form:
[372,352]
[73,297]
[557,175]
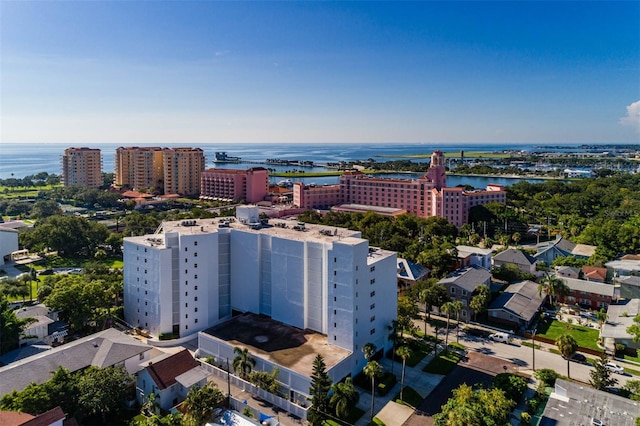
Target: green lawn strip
[632,371]
[555,351]
[443,364]
[354,416]
[470,154]
[409,397]
[458,346]
[428,337]
[529,344]
[585,336]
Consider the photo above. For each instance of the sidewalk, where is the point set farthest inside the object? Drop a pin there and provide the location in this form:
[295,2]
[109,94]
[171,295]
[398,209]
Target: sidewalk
[391,413]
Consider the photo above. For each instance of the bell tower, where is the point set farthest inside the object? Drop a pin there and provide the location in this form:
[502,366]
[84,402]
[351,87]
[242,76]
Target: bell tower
[437,172]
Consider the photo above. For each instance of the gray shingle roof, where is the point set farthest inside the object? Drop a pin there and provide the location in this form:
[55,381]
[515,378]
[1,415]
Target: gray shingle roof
[592,287]
[102,349]
[520,299]
[469,277]
[514,256]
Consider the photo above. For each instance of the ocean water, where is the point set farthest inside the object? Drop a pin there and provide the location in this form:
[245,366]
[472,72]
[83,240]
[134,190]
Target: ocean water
[19,160]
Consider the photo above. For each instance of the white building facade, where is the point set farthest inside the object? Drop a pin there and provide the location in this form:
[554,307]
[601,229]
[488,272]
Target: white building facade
[197,272]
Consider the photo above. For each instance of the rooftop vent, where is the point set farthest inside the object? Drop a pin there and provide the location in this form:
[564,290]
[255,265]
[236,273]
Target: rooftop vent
[190,222]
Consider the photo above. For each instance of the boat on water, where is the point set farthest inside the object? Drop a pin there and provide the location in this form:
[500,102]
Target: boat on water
[222,157]
[287,183]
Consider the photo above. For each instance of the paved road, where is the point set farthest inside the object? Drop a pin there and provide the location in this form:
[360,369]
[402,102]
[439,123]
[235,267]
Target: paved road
[523,355]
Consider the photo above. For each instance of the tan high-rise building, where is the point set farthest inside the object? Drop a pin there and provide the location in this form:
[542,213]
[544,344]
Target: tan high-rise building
[182,169]
[163,170]
[139,168]
[82,167]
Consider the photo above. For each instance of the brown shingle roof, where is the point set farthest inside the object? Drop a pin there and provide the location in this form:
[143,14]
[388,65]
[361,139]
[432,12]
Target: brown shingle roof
[47,418]
[14,418]
[164,372]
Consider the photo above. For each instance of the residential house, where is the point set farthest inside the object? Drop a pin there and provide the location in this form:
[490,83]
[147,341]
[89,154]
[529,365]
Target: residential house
[588,294]
[626,265]
[594,273]
[561,247]
[522,260]
[53,417]
[518,305]
[106,348]
[572,403]
[619,317]
[38,330]
[461,284]
[169,378]
[468,255]
[409,273]
[567,272]
[629,286]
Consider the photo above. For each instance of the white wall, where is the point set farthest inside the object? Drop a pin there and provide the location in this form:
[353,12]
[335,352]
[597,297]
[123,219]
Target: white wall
[8,243]
[245,271]
[288,281]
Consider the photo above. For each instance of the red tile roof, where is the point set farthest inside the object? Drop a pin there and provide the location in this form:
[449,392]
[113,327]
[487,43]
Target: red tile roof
[594,272]
[164,372]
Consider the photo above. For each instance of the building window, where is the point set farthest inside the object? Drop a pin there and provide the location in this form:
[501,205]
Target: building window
[373,281]
[453,290]
[195,276]
[372,319]
[195,254]
[373,305]
[195,265]
[335,299]
[195,243]
[373,293]
[373,331]
[186,315]
[373,268]
[335,285]
[335,312]
[196,320]
[185,249]
[335,325]
[186,293]
[335,273]
[186,305]
[335,259]
[195,288]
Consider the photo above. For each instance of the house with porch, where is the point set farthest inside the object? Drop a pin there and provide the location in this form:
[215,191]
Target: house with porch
[461,284]
[588,294]
[518,305]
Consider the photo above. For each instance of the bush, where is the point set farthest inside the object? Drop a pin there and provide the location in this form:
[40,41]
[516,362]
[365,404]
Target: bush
[533,404]
[385,383]
[166,336]
[547,376]
[513,386]
[525,418]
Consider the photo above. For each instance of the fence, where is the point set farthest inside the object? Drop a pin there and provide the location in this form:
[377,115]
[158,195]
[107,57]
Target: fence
[279,402]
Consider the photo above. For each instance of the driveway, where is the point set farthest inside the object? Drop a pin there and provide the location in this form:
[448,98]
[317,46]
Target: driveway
[479,368]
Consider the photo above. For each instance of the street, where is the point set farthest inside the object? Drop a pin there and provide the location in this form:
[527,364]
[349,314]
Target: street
[523,357]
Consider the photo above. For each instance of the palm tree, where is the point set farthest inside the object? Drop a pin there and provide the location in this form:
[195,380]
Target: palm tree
[372,370]
[393,327]
[601,316]
[243,361]
[151,405]
[567,346]
[447,308]
[344,397]
[553,286]
[404,352]
[457,308]
[369,349]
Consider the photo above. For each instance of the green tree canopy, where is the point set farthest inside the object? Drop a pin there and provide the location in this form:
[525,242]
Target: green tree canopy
[475,407]
[200,403]
[319,391]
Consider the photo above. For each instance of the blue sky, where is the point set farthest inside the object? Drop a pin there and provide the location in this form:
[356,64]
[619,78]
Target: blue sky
[209,71]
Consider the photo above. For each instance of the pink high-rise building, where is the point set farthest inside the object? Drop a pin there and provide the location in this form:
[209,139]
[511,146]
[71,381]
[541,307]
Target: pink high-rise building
[251,185]
[427,196]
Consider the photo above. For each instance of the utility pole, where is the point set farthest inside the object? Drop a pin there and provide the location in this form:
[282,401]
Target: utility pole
[533,347]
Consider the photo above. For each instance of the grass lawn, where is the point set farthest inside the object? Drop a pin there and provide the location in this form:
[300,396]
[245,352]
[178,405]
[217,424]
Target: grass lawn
[443,364]
[585,336]
[409,397]
[529,344]
[419,350]
[354,416]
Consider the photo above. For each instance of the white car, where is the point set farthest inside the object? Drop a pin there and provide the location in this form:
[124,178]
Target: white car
[614,367]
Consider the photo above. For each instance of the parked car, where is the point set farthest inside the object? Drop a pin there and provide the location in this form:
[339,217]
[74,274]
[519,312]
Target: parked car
[500,337]
[614,367]
[579,358]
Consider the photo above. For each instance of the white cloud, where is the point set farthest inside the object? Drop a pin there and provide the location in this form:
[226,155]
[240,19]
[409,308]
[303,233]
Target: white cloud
[633,116]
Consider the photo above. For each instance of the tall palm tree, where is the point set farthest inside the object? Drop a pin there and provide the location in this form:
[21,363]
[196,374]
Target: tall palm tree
[404,352]
[553,286]
[369,349]
[243,361]
[567,346]
[457,308]
[372,370]
[344,397]
[448,309]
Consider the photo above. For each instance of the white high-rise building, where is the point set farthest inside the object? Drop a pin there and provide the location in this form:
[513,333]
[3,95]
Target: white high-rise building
[196,273]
